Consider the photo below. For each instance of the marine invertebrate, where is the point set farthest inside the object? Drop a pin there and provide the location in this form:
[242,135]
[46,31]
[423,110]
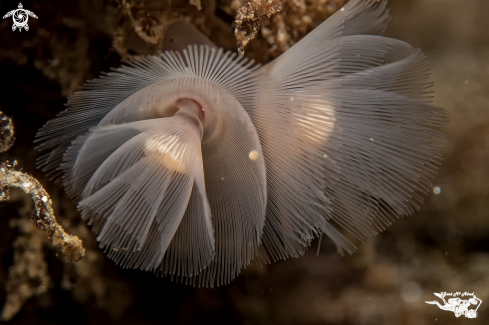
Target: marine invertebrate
[193,162]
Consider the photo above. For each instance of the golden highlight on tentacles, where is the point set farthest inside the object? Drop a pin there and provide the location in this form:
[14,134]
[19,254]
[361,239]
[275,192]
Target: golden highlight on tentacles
[195,162]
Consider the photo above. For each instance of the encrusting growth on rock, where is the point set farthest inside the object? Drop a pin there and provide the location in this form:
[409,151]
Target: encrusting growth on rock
[71,246]
[249,19]
[28,274]
[7,133]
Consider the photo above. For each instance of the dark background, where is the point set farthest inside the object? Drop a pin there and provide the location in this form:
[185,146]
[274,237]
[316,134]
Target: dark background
[444,247]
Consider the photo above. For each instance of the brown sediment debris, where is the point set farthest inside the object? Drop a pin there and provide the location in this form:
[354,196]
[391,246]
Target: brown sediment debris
[274,25]
[249,19]
[145,25]
[142,25]
[6,132]
[196,3]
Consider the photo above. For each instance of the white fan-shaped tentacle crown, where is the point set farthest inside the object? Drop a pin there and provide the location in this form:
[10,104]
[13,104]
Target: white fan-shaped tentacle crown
[192,163]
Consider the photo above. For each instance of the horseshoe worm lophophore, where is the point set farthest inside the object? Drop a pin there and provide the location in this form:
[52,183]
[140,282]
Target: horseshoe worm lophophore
[194,162]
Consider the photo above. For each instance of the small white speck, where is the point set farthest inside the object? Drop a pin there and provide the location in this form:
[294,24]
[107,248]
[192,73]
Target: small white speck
[222,178]
[325,156]
[371,139]
[342,9]
[26,184]
[291,99]
[253,155]
[436,190]
[44,199]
